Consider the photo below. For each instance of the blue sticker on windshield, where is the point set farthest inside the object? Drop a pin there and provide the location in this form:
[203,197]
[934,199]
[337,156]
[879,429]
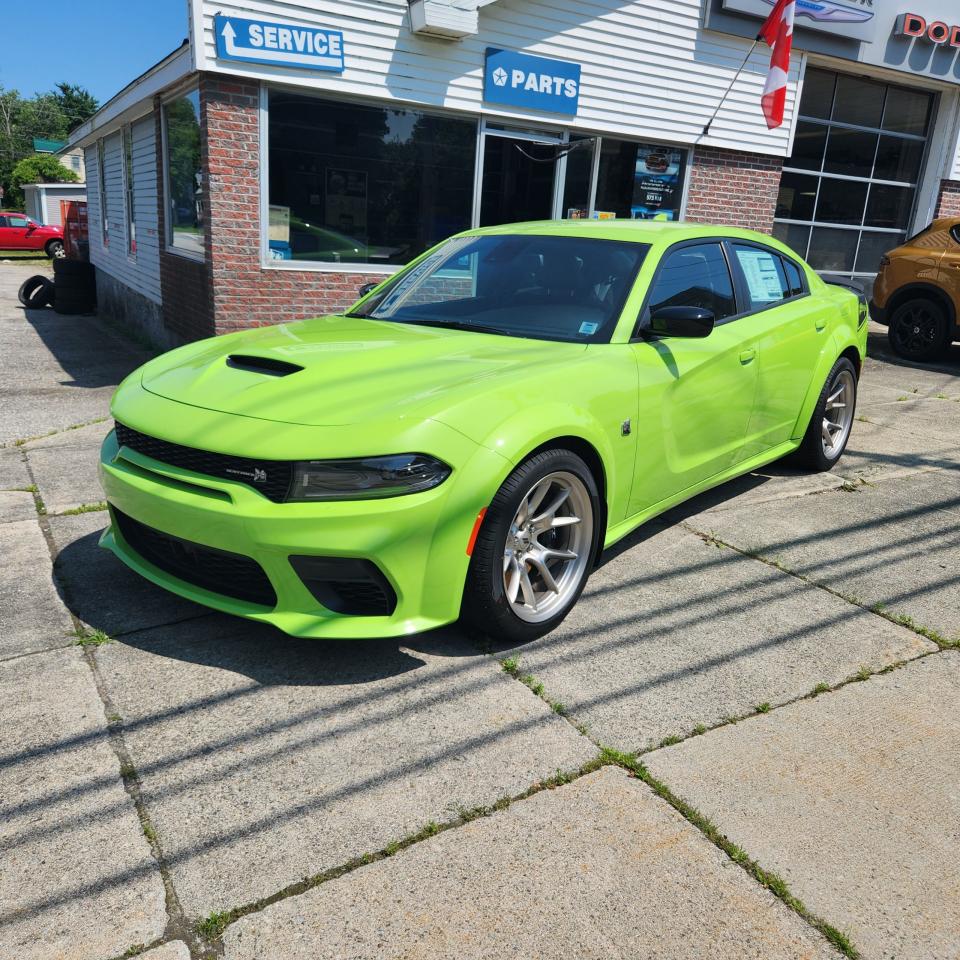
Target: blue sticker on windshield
[588,329]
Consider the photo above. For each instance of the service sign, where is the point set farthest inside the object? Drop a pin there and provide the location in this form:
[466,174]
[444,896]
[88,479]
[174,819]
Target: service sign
[532,83]
[851,19]
[279,44]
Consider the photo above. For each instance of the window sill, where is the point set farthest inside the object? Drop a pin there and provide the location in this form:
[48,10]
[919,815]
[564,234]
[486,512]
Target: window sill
[316,266]
[186,254]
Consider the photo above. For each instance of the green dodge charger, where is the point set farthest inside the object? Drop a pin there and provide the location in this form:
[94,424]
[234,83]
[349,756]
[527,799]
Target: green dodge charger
[466,440]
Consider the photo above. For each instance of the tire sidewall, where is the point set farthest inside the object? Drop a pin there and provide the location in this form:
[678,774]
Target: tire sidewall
[827,463]
[485,606]
[54,249]
[936,347]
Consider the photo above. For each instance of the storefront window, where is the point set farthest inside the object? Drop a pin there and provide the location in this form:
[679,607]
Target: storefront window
[849,189]
[184,194]
[363,184]
[639,181]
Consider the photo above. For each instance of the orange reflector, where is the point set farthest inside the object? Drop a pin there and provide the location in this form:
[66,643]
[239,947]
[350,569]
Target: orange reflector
[476,530]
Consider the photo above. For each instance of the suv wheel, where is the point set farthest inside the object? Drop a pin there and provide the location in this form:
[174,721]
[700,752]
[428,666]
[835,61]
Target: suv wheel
[535,549]
[919,330]
[55,249]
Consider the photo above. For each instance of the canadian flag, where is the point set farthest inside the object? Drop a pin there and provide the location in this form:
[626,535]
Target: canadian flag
[777,31]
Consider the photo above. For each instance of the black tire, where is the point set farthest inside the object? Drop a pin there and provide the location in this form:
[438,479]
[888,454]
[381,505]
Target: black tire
[811,454]
[919,330]
[29,287]
[55,250]
[42,295]
[486,610]
[77,271]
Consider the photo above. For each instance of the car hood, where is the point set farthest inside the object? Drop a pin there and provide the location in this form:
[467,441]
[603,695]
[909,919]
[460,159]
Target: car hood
[353,370]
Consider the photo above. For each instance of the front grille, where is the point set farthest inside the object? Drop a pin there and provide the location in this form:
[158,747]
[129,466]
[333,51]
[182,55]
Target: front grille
[270,477]
[230,574]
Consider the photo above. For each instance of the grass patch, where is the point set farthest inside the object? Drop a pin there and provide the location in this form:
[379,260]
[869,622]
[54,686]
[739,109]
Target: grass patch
[127,770]
[211,927]
[30,489]
[775,884]
[85,508]
[91,638]
[762,708]
[670,741]
[941,396]
[699,730]
[114,718]
[149,833]
[820,688]
[901,399]
[511,665]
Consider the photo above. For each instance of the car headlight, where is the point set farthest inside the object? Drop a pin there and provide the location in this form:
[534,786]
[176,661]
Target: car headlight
[366,478]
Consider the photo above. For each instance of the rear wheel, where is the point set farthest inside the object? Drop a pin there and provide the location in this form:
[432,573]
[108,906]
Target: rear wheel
[829,428]
[535,549]
[919,330]
[55,249]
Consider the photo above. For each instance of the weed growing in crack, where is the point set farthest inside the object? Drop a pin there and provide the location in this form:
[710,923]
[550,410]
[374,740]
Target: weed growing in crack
[85,508]
[91,638]
[212,926]
[820,688]
[762,708]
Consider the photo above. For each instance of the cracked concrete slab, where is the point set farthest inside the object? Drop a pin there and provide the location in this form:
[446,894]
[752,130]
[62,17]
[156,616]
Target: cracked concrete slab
[103,592]
[880,450]
[13,471]
[673,632]
[896,544]
[65,466]
[77,882]
[295,756]
[31,612]
[175,950]
[852,798]
[596,869]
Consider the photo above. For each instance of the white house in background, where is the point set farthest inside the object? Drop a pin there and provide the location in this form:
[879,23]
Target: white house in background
[42,201]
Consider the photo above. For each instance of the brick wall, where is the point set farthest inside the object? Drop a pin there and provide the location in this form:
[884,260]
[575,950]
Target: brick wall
[733,188]
[244,294]
[184,282]
[948,203]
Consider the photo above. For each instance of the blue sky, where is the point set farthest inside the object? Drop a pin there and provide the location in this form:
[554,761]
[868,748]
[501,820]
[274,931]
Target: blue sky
[100,44]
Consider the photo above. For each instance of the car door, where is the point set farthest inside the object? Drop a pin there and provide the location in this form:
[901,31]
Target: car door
[790,330]
[15,234]
[696,395]
[5,234]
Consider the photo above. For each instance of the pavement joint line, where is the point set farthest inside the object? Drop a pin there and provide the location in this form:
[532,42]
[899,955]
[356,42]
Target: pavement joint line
[21,441]
[39,653]
[900,620]
[177,926]
[211,928]
[768,880]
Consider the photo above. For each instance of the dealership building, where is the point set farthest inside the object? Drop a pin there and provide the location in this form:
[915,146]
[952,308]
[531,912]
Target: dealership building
[291,151]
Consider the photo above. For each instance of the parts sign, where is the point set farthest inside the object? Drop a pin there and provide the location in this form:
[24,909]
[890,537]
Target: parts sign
[537,83]
[280,44]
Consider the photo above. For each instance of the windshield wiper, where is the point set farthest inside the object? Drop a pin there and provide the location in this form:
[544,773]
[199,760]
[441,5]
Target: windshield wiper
[459,325]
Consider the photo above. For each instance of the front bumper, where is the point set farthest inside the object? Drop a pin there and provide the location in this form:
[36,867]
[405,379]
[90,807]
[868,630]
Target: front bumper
[418,542]
[878,314]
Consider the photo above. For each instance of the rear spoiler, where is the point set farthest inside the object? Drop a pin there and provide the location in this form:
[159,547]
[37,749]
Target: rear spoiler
[853,287]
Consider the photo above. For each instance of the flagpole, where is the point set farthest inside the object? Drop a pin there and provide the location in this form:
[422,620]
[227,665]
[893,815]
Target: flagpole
[736,77]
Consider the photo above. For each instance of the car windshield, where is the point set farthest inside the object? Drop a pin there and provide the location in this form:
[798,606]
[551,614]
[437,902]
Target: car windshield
[542,287]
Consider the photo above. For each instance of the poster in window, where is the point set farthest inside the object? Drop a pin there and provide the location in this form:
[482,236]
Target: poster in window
[346,201]
[656,184]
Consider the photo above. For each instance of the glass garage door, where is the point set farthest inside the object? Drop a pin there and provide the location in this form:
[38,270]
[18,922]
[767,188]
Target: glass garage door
[849,188]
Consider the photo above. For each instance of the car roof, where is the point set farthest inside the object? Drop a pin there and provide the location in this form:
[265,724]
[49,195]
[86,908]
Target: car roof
[658,232]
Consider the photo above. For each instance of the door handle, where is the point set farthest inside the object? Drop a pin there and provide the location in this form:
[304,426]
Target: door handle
[821,324]
[747,355]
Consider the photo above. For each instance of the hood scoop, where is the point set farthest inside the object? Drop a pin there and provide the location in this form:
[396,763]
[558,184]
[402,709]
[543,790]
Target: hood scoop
[268,365]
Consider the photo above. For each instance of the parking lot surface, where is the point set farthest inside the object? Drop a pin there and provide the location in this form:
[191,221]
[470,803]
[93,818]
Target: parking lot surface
[743,741]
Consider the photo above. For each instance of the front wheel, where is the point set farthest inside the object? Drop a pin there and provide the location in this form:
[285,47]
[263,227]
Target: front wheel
[829,428]
[55,250]
[919,330]
[535,549]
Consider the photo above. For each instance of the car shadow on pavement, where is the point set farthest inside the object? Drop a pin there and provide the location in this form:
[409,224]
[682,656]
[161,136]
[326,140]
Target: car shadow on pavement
[104,594]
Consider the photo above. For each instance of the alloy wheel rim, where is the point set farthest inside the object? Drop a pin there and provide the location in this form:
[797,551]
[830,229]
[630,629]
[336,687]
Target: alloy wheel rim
[917,330]
[548,547]
[838,414]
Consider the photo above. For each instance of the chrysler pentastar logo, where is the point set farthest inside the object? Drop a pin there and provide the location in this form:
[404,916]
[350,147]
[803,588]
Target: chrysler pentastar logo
[500,77]
[827,11]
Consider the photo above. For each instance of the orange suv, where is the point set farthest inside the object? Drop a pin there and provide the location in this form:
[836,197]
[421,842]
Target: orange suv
[917,292]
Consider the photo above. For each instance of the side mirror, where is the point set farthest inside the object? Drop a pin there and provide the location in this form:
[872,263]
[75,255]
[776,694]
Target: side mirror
[694,322]
[367,287]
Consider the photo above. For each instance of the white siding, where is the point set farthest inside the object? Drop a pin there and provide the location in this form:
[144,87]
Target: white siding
[648,68]
[142,272]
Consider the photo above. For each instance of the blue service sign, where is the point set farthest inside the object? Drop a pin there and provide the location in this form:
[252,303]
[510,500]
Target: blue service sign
[537,83]
[280,44]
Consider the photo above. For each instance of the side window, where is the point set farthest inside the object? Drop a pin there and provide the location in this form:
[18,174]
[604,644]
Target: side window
[766,282]
[696,276]
[3,222]
[795,282]
[17,222]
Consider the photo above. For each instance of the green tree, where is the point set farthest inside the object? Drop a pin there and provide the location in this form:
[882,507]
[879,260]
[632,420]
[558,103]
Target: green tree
[40,168]
[76,103]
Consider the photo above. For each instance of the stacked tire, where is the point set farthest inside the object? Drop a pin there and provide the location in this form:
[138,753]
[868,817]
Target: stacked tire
[37,292]
[76,286]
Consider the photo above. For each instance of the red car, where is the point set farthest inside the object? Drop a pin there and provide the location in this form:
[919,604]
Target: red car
[19,232]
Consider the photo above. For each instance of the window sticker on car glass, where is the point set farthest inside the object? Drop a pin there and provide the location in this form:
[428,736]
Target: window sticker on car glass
[763,279]
[588,329]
